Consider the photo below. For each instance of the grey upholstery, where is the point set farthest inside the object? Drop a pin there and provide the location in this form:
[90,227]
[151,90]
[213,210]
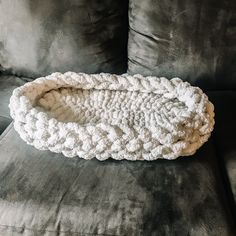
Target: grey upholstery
[40,37]
[7,84]
[225,135]
[42,193]
[194,40]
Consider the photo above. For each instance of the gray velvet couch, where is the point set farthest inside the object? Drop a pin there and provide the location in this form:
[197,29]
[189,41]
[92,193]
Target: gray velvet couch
[43,193]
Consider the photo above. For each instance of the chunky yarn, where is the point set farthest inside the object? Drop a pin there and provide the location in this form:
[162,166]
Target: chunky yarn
[118,116]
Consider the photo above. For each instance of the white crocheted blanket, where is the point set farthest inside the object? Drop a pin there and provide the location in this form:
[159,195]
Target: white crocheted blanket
[118,116]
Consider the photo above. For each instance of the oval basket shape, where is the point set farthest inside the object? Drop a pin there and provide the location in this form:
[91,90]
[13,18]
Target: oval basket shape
[117,116]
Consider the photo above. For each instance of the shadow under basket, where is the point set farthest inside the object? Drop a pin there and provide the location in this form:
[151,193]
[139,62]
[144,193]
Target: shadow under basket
[117,116]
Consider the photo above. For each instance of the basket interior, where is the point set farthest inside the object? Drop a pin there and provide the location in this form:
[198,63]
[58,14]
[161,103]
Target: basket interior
[109,106]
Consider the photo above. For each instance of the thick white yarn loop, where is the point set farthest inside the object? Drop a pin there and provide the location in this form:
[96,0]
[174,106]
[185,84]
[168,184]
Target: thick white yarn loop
[118,116]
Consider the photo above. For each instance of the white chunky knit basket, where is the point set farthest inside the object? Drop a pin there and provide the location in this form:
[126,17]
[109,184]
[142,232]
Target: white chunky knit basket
[118,116]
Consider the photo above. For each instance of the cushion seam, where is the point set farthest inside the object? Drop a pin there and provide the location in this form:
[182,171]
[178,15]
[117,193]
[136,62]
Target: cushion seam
[6,131]
[52,231]
[5,117]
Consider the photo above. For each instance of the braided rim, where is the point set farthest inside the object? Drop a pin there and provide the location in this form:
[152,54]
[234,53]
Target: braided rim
[73,139]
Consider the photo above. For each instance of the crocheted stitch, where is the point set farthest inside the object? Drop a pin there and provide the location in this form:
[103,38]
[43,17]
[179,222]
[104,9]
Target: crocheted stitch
[118,116]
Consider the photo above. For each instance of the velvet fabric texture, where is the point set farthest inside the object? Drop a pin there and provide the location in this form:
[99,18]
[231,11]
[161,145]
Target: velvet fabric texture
[194,40]
[40,37]
[224,136]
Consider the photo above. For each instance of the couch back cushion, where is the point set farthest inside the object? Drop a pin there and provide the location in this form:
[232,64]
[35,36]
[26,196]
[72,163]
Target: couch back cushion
[40,37]
[194,40]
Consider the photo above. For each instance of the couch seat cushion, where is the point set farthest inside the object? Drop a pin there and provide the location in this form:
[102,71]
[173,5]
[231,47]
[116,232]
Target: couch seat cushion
[43,193]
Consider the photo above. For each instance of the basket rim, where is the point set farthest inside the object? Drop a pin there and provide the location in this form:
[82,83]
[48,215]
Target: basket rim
[23,99]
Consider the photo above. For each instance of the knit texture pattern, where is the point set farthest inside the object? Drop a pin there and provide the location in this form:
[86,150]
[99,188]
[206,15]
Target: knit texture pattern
[117,116]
